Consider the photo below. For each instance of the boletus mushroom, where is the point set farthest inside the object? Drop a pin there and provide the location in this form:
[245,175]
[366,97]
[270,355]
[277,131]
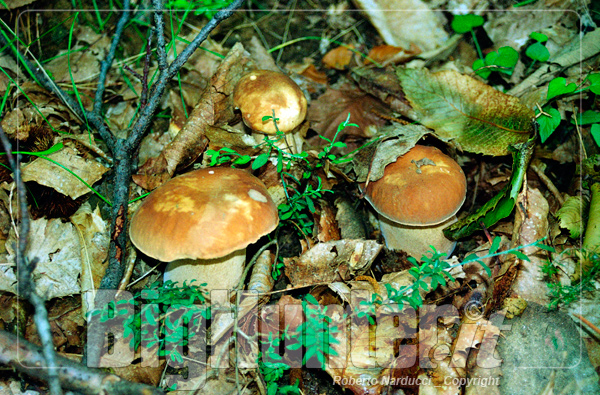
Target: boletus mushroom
[262,92]
[201,223]
[416,198]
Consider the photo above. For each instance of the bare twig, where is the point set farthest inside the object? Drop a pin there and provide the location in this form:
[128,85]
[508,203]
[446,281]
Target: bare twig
[27,358]
[106,64]
[24,273]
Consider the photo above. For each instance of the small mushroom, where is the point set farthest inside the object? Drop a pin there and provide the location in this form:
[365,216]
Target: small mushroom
[262,92]
[416,198]
[201,223]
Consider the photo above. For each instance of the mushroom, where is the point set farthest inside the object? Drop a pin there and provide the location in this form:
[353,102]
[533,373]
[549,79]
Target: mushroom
[416,198]
[262,92]
[201,223]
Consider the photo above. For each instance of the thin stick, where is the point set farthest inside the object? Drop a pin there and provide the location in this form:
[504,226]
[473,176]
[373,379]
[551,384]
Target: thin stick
[25,269]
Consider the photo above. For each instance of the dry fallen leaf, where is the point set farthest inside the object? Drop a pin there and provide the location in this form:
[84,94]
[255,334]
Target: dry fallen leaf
[402,22]
[530,226]
[332,108]
[53,176]
[93,235]
[56,246]
[338,58]
[389,54]
[214,108]
[332,261]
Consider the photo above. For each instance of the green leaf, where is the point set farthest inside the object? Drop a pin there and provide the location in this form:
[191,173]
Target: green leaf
[594,80]
[595,131]
[487,269]
[539,37]
[587,118]
[501,205]
[520,255]
[479,70]
[477,117]
[495,245]
[504,61]
[260,160]
[465,23]
[558,86]
[548,124]
[569,215]
[538,51]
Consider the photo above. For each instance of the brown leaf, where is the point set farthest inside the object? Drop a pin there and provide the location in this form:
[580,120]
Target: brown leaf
[327,229]
[56,245]
[51,175]
[383,83]
[214,108]
[332,108]
[329,261]
[530,226]
[338,58]
[389,54]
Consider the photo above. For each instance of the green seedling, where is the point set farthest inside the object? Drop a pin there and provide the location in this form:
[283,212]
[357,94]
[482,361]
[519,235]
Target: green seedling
[549,117]
[538,51]
[558,86]
[503,61]
[465,23]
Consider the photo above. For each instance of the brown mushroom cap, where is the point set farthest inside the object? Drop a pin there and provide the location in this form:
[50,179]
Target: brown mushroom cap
[203,214]
[260,92]
[415,192]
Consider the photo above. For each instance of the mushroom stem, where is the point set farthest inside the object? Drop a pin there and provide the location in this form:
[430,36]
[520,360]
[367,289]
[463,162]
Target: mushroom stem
[218,273]
[416,240]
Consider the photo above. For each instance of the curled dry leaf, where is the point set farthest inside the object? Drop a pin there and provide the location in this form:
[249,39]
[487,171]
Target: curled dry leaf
[389,54]
[402,22]
[471,114]
[331,261]
[338,58]
[47,173]
[56,246]
[93,235]
[214,108]
[332,108]
[325,222]
[530,226]
[383,83]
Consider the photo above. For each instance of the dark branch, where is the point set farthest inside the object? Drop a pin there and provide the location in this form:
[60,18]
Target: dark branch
[106,64]
[27,358]
[25,269]
[159,87]
[161,47]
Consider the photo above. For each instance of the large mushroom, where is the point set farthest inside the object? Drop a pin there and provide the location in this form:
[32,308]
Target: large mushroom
[262,92]
[201,223]
[416,198]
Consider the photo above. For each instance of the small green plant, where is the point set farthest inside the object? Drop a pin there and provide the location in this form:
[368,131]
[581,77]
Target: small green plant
[317,335]
[155,306]
[300,193]
[537,51]
[433,271]
[548,116]
[272,367]
[503,61]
